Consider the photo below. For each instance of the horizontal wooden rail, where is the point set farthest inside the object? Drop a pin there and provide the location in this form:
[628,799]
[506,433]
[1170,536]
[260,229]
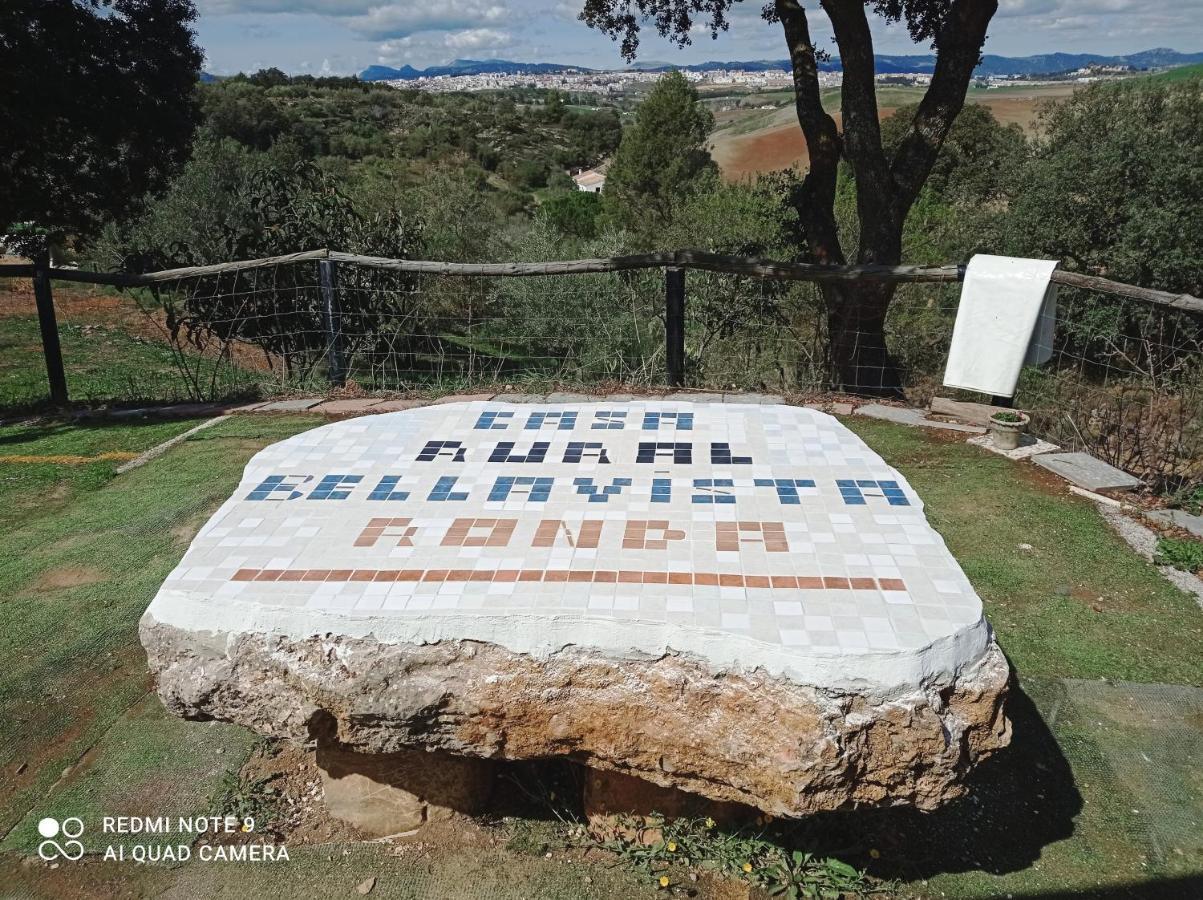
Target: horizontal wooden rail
[684,259]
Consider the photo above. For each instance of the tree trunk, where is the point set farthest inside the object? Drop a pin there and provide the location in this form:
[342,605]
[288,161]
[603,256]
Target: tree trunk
[858,357]
[859,360]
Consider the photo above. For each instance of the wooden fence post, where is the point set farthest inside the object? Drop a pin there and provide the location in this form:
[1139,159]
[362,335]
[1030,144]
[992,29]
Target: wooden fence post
[674,325]
[336,367]
[48,323]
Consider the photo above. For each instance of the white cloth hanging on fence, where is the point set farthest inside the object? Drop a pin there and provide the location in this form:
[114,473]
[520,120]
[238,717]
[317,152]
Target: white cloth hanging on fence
[1005,321]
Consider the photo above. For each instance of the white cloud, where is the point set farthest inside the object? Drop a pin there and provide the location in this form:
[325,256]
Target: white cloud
[379,19]
[481,41]
[401,19]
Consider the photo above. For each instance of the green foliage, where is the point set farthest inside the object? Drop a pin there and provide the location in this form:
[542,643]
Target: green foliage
[662,158]
[604,326]
[1186,555]
[246,799]
[978,160]
[659,848]
[750,219]
[1190,499]
[363,123]
[1115,186]
[574,213]
[99,107]
[233,204]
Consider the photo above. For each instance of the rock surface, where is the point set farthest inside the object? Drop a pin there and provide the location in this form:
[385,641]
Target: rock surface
[744,738]
[387,794]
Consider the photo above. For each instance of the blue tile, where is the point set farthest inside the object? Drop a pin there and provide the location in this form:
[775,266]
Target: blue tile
[274,484]
[787,488]
[683,420]
[384,490]
[435,449]
[492,420]
[540,487]
[715,496]
[442,489]
[503,452]
[609,420]
[588,488]
[326,488]
[565,419]
[578,449]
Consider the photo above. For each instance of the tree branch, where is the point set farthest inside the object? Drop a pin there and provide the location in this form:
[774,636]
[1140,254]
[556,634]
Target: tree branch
[958,41]
[815,200]
[880,220]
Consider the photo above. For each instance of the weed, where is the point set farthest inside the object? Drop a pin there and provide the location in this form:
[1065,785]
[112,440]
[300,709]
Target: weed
[1184,555]
[1189,499]
[659,848]
[247,799]
[531,837]
[1009,418]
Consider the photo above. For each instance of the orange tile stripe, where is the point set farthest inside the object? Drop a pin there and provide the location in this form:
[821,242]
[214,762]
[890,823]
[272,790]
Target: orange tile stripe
[621,576]
[69,459]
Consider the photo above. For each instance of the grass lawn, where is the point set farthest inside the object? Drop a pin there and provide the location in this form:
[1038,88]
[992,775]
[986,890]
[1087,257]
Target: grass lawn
[1094,633]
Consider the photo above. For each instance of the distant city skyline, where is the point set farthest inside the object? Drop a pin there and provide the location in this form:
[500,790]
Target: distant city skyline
[342,37]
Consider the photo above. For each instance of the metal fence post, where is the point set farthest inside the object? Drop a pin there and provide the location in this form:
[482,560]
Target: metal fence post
[48,323]
[336,367]
[674,325]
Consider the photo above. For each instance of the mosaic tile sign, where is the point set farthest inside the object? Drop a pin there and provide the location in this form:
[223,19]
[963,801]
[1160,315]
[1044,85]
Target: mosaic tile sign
[751,534]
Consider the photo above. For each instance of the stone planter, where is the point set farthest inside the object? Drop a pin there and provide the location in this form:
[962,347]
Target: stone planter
[1007,435]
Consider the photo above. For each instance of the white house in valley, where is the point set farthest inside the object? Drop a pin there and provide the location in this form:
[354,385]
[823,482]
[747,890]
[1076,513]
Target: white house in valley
[591,181]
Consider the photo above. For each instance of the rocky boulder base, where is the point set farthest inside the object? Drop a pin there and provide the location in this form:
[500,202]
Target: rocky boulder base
[745,738]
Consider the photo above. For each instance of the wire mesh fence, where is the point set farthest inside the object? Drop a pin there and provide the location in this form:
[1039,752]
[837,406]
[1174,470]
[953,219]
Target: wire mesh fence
[1125,381]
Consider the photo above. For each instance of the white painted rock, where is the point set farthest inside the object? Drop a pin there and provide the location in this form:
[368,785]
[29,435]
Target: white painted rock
[741,601]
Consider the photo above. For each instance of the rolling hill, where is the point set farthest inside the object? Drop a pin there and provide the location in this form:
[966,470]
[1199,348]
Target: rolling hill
[1042,64]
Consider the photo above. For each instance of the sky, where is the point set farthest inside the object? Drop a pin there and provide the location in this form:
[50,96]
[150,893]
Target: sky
[344,36]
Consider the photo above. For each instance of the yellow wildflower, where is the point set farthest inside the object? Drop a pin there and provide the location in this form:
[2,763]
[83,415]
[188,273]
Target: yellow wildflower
[710,823]
[672,846]
[664,882]
[747,867]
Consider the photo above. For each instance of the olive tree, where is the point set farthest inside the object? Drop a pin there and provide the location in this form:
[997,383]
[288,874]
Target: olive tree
[98,110]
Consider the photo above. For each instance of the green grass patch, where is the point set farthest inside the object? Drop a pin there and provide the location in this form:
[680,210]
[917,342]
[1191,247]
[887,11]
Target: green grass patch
[45,485]
[105,362]
[77,576]
[1181,554]
[149,764]
[1181,73]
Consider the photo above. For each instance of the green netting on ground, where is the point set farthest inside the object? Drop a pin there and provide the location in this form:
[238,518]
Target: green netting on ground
[1150,737]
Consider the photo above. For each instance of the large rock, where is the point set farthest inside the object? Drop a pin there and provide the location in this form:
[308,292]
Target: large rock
[386,794]
[807,644]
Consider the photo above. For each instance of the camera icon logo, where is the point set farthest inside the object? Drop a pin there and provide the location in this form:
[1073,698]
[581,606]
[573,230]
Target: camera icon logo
[70,828]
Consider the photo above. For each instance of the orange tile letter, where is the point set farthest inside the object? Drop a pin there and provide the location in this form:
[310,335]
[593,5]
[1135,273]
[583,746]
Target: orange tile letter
[378,528]
[728,535]
[549,531]
[636,535]
[497,535]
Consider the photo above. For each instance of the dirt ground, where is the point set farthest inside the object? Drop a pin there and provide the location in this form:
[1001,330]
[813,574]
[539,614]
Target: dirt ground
[780,145]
